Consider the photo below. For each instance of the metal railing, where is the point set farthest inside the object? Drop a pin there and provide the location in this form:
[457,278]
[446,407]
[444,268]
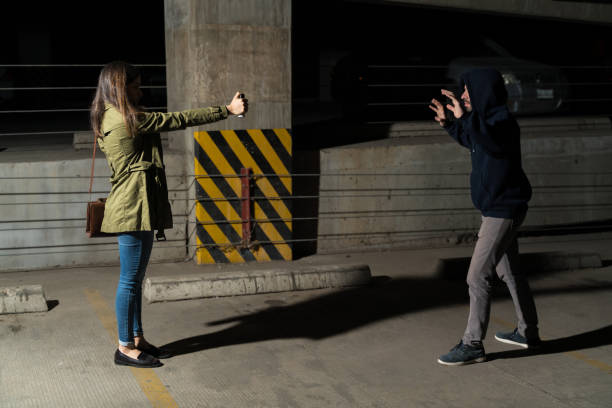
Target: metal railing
[19,101]
[411,93]
[391,93]
[187,219]
[437,192]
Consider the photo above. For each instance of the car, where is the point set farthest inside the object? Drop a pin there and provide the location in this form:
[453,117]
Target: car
[533,87]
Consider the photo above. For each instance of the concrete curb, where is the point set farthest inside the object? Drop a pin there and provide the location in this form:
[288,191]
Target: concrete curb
[23,299]
[559,261]
[234,283]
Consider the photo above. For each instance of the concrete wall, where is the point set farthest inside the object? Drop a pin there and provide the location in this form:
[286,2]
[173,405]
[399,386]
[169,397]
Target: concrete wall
[588,11]
[414,191]
[42,207]
[215,48]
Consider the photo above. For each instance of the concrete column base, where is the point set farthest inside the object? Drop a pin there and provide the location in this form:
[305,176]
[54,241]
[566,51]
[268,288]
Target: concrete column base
[22,299]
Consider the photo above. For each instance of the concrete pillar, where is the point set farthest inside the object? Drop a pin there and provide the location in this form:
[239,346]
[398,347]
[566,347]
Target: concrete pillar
[217,47]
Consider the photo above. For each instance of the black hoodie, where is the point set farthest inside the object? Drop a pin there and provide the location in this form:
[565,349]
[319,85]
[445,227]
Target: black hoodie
[499,186]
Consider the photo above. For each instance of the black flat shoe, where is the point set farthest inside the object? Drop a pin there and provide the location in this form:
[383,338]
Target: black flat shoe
[144,360]
[155,351]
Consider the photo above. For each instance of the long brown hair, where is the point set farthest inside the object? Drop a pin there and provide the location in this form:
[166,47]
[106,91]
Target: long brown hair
[112,89]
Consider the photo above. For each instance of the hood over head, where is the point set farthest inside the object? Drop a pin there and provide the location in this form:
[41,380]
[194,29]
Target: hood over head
[490,123]
[487,91]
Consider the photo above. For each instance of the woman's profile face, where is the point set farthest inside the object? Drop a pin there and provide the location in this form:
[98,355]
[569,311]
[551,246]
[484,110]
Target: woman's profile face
[133,91]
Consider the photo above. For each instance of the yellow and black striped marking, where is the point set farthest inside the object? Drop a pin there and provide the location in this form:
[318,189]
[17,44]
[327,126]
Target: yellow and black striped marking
[219,156]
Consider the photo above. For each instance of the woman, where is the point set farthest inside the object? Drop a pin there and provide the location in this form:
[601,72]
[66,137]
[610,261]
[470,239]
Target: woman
[138,202]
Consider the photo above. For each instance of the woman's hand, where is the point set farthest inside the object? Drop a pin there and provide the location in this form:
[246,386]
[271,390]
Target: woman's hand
[238,105]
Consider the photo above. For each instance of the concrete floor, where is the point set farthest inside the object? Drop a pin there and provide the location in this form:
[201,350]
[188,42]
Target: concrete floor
[372,346]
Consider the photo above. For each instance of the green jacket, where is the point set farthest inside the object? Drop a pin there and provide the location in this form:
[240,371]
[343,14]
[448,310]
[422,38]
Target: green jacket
[138,200]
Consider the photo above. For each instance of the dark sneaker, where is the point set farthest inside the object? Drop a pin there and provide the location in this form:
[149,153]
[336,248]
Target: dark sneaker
[463,354]
[516,339]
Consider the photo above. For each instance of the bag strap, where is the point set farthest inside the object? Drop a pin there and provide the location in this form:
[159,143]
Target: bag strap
[93,162]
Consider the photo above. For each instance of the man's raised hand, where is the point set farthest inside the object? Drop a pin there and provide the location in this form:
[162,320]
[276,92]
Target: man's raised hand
[456,107]
[437,107]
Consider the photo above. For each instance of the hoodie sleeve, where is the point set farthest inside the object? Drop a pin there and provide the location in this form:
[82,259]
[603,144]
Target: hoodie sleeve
[457,131]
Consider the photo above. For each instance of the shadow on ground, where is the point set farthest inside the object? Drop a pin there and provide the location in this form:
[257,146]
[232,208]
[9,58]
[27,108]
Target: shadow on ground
[590,339]
[52,304]
[341,311]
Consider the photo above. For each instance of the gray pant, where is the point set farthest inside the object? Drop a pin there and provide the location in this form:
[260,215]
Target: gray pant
[497,251]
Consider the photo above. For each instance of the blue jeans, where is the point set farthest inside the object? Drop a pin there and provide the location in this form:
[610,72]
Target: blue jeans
[134,251]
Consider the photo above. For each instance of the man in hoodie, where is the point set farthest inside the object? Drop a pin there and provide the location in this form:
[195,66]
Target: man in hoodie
[500,190]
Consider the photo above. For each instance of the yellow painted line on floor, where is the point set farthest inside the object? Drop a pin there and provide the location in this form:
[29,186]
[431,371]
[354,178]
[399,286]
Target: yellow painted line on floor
[575,354]
[590,361]
[104,312]
[149,382]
